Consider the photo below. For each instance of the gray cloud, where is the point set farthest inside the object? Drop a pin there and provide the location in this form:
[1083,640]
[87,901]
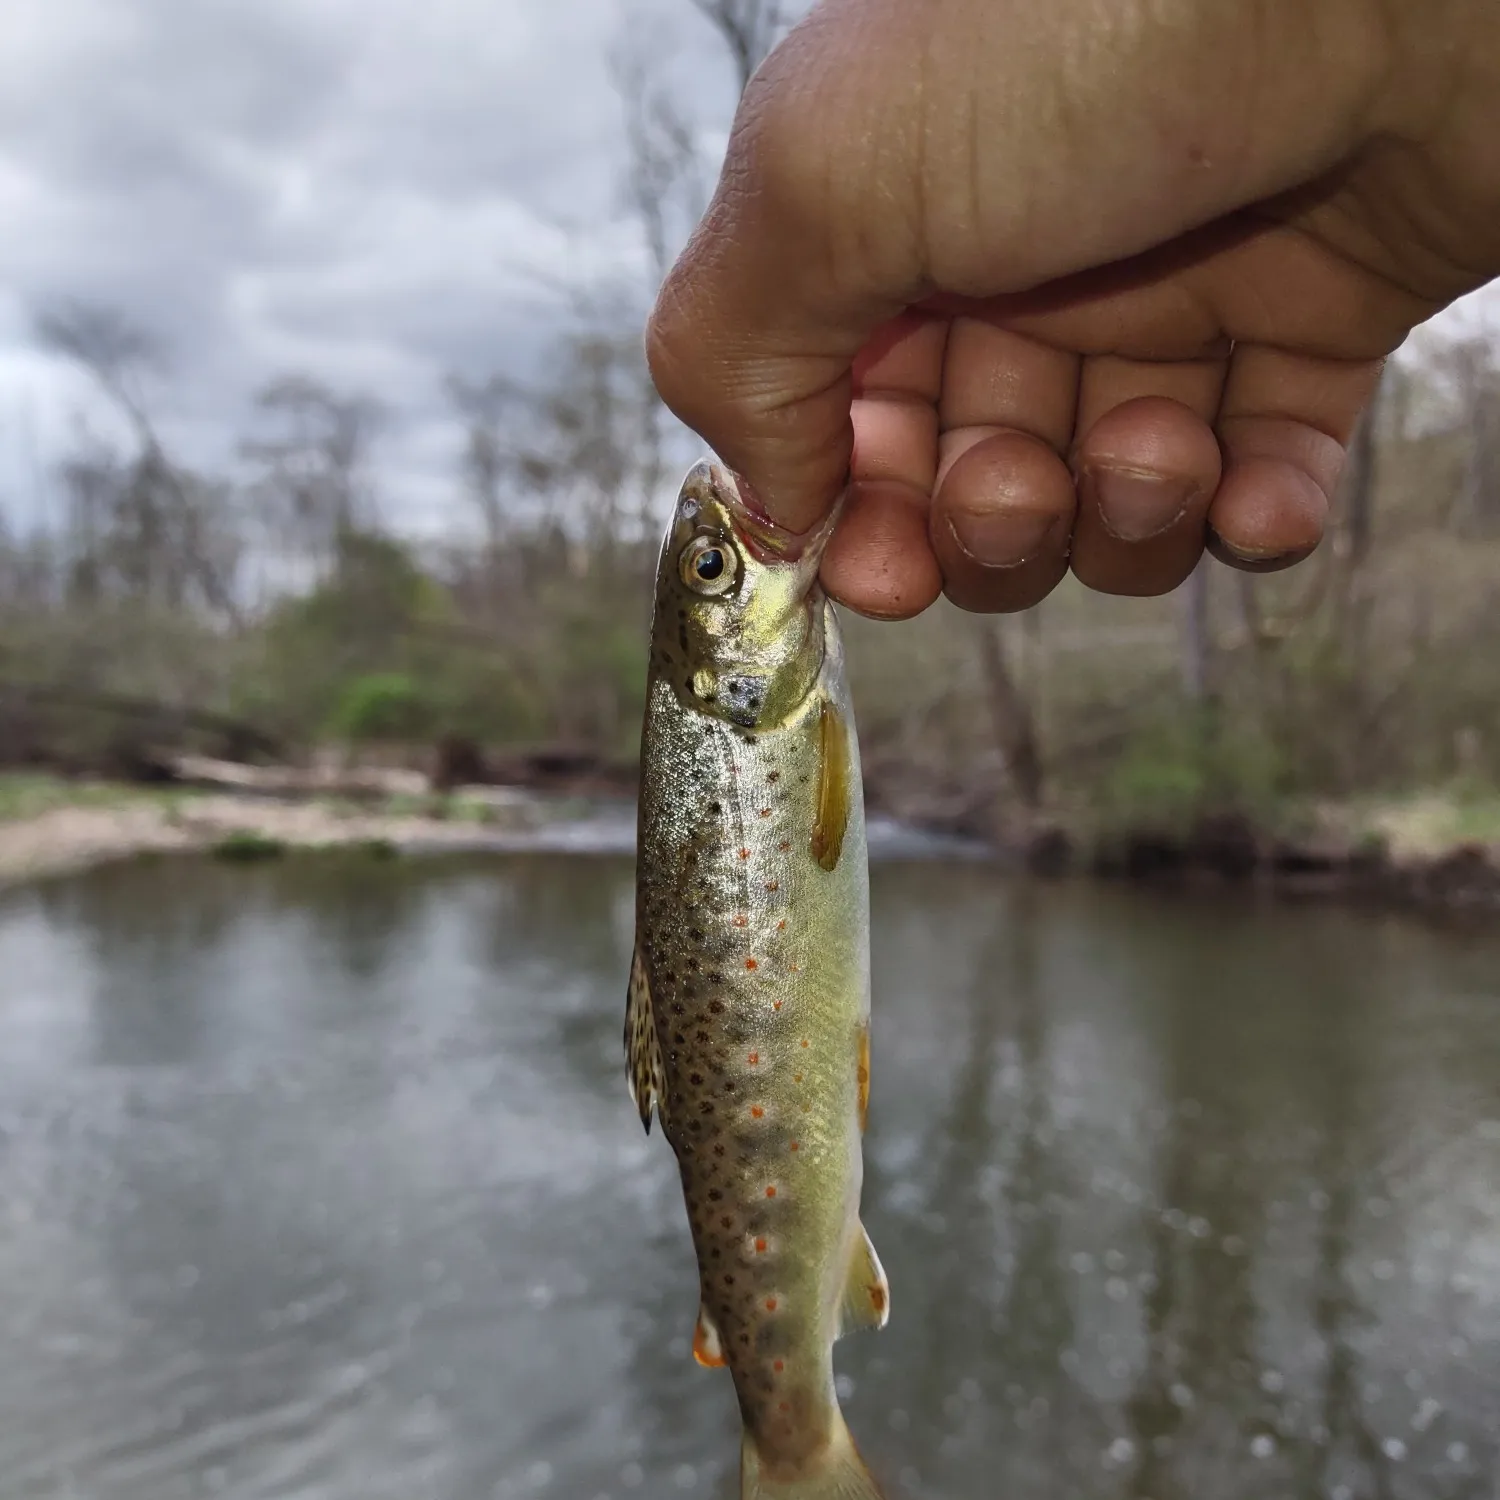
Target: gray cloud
[375,193]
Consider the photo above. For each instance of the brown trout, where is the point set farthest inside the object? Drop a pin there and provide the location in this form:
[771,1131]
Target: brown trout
[747,1023]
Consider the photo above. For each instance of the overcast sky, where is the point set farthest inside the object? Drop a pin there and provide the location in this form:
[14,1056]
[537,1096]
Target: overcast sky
[374,191]
[377,192]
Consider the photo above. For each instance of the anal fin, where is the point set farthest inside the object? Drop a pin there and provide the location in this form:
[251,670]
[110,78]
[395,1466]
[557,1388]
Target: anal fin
[643,1062]
[867,1294]
[708,1349]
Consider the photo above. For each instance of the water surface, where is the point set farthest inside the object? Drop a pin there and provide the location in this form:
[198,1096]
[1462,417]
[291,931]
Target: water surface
[319,1180]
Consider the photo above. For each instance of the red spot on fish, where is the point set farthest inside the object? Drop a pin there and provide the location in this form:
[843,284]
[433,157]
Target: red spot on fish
[765,812]
[793,969]
[756,1112]
[771,1304]
[785,1406]
[779,1366]
[744,854]
[781,925]
[796,1078]
[760,1247]
[755,1059]
[776,1005]
[771,1191]
[877,1298]
[742,920]
[796,1146]
[784,845]
[805,1042]
[773,885]
[752,963]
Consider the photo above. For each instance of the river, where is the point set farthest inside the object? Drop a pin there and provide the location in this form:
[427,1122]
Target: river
[318,1179]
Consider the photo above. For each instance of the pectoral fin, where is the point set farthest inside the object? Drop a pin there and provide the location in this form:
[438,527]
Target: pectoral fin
[862,1074]
[643,1064]
[835,787]
[867,1294]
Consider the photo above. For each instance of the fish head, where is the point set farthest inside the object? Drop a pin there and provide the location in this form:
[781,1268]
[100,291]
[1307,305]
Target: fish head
[741,621]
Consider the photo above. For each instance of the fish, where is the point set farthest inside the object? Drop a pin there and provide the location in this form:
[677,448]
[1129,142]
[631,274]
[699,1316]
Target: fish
[747,1027]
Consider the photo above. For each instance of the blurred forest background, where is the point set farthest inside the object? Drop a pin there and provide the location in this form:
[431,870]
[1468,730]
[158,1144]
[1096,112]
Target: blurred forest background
[275,613]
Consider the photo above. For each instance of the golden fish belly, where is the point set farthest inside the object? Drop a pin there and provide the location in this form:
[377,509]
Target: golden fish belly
[756,957]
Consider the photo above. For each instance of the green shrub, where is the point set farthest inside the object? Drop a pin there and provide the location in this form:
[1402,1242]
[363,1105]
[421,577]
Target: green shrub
[381,706]
[246,847]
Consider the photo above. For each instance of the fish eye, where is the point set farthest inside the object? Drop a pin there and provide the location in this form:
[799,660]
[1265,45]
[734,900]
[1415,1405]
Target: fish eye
[708,566]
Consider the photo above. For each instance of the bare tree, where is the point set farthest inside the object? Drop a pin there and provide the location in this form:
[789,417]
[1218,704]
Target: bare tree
[1470,367]
[312,463]
[1197,635]
[496,464]
[666,178]
[1015,726]
[145,525]
[748,28]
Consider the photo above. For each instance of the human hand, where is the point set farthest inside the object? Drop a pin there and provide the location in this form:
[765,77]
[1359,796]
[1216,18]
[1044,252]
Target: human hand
[1087,283]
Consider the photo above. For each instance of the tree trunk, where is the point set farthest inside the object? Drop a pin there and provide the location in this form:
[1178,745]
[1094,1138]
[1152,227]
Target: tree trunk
[1015,731]
[1197,636]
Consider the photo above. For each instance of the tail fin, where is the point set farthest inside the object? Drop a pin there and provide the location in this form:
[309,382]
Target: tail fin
[839,1473]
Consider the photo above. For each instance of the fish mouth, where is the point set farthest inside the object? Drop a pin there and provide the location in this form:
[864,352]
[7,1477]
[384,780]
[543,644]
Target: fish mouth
[763,538]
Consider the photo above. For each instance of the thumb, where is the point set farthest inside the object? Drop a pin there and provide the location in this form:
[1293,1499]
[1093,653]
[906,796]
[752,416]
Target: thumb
[755,330]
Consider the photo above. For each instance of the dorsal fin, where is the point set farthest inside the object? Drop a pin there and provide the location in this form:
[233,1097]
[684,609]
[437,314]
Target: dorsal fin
[867,1294]
[643,1063]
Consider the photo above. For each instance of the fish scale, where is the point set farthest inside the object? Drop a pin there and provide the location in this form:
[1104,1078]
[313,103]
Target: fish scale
[747,1018]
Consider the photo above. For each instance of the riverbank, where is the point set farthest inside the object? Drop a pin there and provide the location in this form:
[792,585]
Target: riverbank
[1431,850]
[52,826]
[1436,851]
[49,829]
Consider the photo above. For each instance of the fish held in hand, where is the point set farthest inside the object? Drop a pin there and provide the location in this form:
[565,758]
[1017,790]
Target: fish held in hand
[747,1021]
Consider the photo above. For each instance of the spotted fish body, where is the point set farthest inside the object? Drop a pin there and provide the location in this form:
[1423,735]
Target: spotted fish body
[748,1015]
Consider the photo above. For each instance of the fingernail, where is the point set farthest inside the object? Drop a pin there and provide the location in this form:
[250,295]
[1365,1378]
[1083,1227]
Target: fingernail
[1000,538]
[1135,504]
[1250,554]
[1257,559]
